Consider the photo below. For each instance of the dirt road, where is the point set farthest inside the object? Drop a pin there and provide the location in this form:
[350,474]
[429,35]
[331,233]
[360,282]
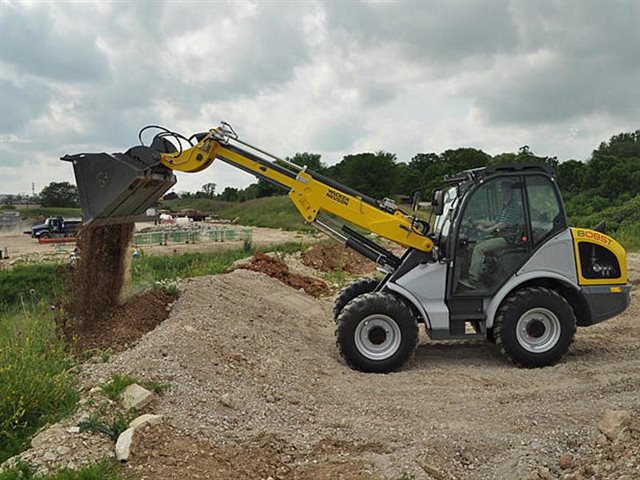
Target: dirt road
[258,391]
[19,245]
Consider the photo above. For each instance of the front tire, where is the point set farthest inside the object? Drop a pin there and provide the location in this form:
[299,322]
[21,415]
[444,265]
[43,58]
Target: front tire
[377,332]
[534,327]
[351,291]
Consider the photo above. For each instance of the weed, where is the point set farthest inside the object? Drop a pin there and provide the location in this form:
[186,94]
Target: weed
[102,354]
[149,270]
[36,380]
[104,470]
[335,276]
[118,383]
[112,428]
[36,284]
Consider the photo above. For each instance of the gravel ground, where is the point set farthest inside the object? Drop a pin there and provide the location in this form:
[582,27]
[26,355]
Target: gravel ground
[248,357]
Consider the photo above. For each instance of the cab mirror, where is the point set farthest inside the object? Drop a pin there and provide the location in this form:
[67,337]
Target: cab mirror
[438,202]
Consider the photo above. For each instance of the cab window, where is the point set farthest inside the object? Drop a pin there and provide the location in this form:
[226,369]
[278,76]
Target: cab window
[544,207]
[492,237]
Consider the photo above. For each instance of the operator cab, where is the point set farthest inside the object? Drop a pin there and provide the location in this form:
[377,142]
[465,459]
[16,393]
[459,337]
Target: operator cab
[493,220]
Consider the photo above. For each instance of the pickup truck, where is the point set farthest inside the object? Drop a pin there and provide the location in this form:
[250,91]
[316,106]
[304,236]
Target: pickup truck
[56,227]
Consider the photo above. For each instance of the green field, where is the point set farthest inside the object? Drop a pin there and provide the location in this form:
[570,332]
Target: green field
[271,212]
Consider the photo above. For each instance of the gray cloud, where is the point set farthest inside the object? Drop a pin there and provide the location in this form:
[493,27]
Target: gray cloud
[21,103]
[32,44]
[431,32]
[333,75]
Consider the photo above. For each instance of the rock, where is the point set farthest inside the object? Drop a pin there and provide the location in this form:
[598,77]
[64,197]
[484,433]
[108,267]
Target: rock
[73,430]
[545,474]
[46,436]
[565,461]
[49,456]
[467,457]
[123,444]
[145,420]
[431,470]
[614,422]
[227,401]
[136,397]
[62,450]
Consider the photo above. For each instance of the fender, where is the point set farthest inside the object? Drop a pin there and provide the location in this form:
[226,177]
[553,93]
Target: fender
[407,295]
[494,303]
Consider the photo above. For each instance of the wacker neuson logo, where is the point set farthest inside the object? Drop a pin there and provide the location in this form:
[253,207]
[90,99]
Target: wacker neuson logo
[338,197]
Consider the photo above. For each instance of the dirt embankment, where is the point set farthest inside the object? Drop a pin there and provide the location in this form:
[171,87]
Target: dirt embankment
[258,389]
[278,269]
[331,257]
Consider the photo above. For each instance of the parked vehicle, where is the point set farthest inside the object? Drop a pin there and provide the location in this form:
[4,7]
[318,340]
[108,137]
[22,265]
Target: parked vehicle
[56,227]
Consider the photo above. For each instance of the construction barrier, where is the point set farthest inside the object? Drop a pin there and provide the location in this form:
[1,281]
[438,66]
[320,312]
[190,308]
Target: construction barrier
[204,235]
[57,240]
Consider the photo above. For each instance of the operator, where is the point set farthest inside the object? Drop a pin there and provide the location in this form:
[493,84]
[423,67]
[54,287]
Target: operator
[502,226]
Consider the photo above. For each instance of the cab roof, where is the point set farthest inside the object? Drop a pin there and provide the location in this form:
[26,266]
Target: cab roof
[475,174]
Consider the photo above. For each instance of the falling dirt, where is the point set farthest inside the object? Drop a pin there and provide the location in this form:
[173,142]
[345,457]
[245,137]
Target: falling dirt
[331,257]
[98,275]
[278,269]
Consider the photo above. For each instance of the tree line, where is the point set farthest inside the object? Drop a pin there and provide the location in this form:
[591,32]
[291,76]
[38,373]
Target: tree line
[609,178]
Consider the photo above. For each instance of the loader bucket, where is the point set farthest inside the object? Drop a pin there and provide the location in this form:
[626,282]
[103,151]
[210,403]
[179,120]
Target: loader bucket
[119,187]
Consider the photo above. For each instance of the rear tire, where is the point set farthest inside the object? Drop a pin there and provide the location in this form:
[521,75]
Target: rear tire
[534,327]
[377,332]
[351,291]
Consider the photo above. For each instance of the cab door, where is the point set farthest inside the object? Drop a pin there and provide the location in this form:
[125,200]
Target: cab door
[492,237]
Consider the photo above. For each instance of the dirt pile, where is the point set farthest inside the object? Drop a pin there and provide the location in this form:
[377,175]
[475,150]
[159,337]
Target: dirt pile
[98,274]
[278,269]
[125,323]
[331,257]
[247,356]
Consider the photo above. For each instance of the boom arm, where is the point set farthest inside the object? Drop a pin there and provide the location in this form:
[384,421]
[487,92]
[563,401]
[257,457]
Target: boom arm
[120,186]
[310,192]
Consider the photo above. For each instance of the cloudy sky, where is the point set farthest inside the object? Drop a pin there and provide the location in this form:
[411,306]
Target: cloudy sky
[326,77]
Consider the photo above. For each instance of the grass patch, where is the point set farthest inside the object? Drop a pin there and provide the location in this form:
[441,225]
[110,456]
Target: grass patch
[623,222]
[41,283]
[105,470]
[36,383]
[149,270]
[629,236]
[118,383]
[112,429]
[272,212]
[203,204]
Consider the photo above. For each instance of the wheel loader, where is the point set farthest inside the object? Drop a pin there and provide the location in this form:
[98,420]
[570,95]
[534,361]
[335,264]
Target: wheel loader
[500,262]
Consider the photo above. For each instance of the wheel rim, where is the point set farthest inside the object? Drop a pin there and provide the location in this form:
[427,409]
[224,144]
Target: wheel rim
[377,337]
[538,330]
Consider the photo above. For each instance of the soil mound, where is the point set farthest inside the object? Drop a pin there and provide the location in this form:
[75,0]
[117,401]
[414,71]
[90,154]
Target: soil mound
[278,269]
[98,275]
[249,358]
[331,257]
[125,323]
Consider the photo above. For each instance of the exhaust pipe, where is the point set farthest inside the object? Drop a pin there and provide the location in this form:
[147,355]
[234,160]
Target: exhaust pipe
[119,187]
